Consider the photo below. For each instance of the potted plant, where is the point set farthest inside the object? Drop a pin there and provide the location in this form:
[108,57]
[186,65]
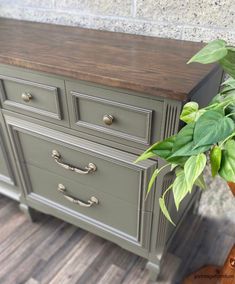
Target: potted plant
[208,131]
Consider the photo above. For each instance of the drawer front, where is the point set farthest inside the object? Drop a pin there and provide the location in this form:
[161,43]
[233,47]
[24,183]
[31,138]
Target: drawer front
[113,114]
[115,178]
[112,175]
[33,94]
[114,213]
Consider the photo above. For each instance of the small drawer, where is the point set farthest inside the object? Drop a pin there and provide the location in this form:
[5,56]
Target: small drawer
[33,94]
[114,115]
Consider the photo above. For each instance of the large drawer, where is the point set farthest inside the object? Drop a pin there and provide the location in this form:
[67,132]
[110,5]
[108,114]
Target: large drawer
[110,211]
[114,115]
[33,94]
[119,184]
[115,172]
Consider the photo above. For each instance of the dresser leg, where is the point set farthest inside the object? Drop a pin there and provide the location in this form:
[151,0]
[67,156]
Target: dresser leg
[154,270]
[30,213]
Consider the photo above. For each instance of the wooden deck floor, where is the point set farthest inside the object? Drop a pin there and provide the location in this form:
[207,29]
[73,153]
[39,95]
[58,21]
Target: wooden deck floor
[51,251]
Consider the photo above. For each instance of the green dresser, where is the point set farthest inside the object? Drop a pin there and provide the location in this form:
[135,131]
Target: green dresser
[77,110]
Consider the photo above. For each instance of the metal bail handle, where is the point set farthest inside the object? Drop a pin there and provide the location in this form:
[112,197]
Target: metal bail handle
[88,169]
[92,201]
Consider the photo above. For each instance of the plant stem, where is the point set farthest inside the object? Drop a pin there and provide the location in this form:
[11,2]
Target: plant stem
[230,136]
[232,113]
[165,192]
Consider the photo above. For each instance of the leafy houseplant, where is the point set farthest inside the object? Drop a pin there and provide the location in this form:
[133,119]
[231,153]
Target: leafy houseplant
[208,130]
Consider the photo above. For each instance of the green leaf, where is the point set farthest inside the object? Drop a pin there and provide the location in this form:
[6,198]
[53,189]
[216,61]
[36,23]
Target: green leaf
[193,168]
[184,145]
[229,82]
[215,160]
[146,155]
[211,128]
[173,166]
[228,63]
[152,180]
[212,52]
[184,136]
[180,188]
[227,169]
[227,89]
[164,210]
[200,182]
[191,112]
[164,148]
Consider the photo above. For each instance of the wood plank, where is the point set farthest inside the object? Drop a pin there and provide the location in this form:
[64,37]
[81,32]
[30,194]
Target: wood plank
[145,64]
[51,251]
[7,229]
[86,251]
[138,274]
[111,254]
[18,237]
[47,270]
[10,263]
[114,274]
[31,281]
[30,262]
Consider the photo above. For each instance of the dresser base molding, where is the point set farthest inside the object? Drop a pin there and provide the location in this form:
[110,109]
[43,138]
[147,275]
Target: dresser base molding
[9,192]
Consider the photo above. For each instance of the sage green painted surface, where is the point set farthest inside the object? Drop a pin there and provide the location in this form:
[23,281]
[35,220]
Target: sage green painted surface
[129,122]
[96,228]
[3,166]
[136,119]
[9,184]
[123,215]
[48,94]
[110,211]
[43,97]
[119,180]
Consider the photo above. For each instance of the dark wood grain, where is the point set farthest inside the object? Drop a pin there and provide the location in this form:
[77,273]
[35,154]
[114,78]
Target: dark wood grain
[145,64]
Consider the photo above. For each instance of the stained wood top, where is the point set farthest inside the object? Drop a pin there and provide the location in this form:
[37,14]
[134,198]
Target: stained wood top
[145,64]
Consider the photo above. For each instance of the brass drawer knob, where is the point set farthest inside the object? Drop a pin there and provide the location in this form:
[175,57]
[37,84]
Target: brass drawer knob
[93,200]
[108,119]
[26,97]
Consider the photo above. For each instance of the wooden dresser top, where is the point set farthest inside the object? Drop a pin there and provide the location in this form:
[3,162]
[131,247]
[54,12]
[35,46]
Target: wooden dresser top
[149,65]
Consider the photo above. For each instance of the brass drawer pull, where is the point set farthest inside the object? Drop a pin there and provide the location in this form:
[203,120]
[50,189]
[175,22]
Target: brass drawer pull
[26,97]
[93,200]
[57,157]
[108,119]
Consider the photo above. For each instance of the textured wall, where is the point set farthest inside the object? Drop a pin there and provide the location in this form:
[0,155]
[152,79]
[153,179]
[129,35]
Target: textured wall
[182,19]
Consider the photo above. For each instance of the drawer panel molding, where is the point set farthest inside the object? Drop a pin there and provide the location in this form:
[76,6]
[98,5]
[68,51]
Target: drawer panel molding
[12,90]
[122,113]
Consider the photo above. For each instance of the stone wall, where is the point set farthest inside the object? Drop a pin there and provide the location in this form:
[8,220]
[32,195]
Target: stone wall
[196,20]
